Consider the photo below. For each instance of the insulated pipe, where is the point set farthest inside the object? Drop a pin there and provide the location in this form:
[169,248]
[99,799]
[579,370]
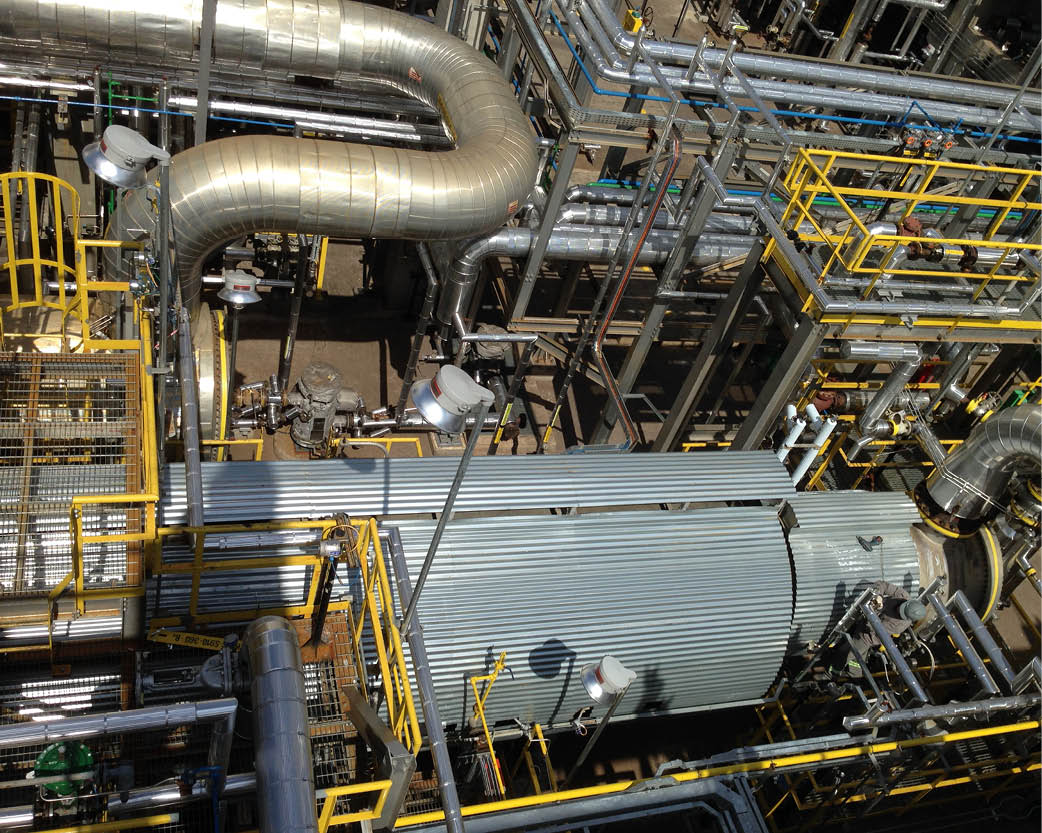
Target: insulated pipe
[593,244]
[871,423]
[282,743]
[606,64]
[974,477]
[803,69]
[855,723]
[811,454]
[116,723]
[880,351]
[830,305]
[230,187]
[190,420]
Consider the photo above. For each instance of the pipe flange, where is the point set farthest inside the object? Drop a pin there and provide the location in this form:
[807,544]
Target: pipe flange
[944,522]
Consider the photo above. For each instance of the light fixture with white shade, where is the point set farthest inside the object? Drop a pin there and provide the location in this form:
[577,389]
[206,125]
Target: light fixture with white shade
[120,156]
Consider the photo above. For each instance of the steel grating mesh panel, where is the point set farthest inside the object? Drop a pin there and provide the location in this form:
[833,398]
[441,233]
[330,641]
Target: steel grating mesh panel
[698,603]
[69,425]
[246,491]
[832,566]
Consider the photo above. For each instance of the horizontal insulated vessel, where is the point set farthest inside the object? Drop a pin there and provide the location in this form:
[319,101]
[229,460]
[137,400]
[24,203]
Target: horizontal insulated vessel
[699,604]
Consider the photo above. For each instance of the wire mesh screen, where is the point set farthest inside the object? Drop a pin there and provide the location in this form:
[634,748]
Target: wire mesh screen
[69,426]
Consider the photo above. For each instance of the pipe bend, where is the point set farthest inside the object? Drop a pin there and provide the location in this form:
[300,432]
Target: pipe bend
[974,477]
[230,187]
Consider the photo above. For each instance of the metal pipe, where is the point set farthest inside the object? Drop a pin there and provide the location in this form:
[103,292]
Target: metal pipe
[662,186]
[588,746]
[421,329]
[445,516]
[115,723]
[421,669]
[343,189]
[811,454]
[801,69]
[871,423]
[880,351]
[962,642]
[607,64]
[856,723]
[512,391]
[282,742]
[830,305]
[299,283]
[973,478]
[791,439]
[894,655]
[592,244]
[190,420]
[983,637]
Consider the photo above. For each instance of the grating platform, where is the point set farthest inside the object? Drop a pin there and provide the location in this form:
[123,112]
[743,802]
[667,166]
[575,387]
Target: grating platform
[70,425]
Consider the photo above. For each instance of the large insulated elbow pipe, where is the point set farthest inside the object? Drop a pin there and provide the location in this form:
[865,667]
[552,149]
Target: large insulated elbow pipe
[973,478]
[231,187]
[282,742]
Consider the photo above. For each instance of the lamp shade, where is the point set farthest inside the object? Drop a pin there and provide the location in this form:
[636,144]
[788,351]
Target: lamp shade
[120,156]
[446,399]
[240,288]
[604,680]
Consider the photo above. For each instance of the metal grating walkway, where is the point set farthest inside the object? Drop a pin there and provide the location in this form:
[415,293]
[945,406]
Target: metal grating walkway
[70,425]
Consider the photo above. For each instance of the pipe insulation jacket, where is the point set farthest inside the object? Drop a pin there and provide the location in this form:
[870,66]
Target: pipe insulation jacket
[586,243]
[231,187]
[975,476]
[282,742]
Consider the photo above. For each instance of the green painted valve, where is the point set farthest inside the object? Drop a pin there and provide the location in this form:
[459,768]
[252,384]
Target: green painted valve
[64,758]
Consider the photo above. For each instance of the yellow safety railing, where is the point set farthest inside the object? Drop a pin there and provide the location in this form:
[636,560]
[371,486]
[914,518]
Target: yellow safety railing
[328,817]
[856,252]
[782,765]
[376,619]
[200,566]
[480,696]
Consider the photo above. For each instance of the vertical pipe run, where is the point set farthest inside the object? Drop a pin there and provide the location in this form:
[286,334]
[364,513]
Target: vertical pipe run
[190,421]
[446,514]
[233,341]
[421,329]
[421,668]
[282,742]
[512,391]
[163,314]
[300,280]
[894,655]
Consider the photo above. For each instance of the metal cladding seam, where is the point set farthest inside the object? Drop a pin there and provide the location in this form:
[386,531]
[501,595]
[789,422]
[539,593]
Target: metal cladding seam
[251,491]
[974,476]
[231,187]
[698,603]
[832,566]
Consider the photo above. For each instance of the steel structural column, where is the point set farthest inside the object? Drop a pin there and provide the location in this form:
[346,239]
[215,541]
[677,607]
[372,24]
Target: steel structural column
[202,95]
[719,337]
[565,164]
[672,272]
[778,387]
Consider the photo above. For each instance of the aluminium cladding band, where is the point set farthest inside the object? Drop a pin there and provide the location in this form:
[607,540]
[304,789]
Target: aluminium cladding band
[230,187]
